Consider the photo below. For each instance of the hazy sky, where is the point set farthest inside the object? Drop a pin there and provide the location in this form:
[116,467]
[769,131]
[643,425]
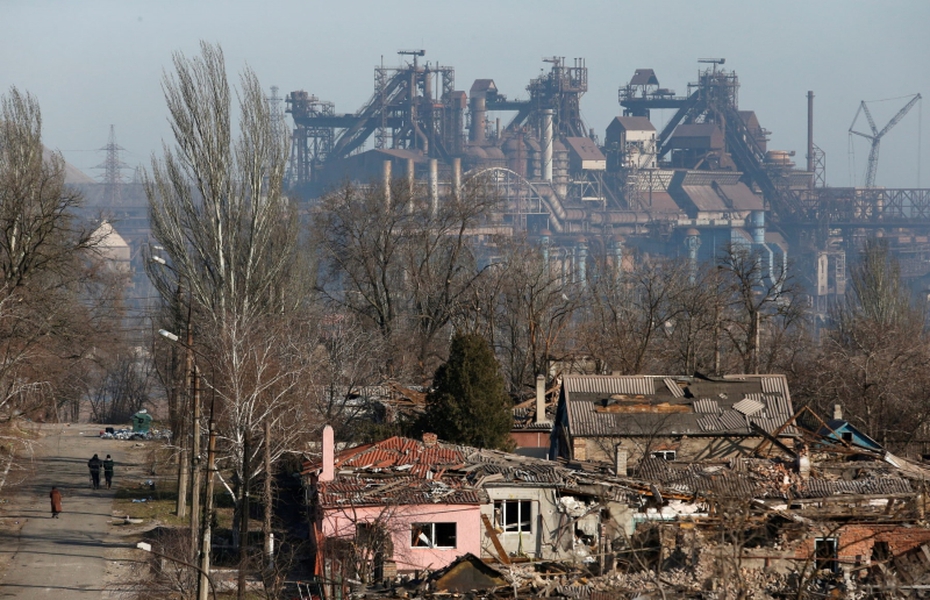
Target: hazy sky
[96,63]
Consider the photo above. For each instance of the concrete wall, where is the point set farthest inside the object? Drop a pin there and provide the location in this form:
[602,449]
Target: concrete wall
[556,518]
[398,521]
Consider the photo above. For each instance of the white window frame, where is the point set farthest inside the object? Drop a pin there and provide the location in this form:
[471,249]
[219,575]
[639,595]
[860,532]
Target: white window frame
[428,531]
[523,523]
[665,454]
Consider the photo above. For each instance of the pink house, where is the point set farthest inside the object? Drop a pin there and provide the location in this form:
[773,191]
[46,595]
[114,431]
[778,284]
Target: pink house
[389,507]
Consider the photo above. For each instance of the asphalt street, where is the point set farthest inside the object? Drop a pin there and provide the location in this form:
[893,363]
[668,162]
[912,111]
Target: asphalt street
[64,557]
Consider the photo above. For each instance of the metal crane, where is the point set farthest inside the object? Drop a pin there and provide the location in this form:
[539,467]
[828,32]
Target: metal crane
[876,137]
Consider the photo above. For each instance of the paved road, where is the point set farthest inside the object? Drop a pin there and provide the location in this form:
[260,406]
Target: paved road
[65,557]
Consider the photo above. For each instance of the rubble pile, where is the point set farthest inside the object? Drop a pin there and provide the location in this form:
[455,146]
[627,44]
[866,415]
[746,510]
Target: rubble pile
[125,433]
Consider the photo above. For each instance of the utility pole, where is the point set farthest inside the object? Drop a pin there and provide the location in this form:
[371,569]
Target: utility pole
[244,516]
[184,461]
[197,479]
[267,500]
[206,544]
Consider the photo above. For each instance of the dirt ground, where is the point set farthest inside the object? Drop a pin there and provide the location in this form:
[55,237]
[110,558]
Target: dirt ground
[89,548]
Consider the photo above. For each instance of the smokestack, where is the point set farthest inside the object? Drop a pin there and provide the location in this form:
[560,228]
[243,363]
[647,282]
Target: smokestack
[810,131]
[478,115]
[386,176]
[329,454]
[838,412]
[456,178]
[541,400]
[411,181]
[618,255]
[582,265]
[430,440]
[547,145]
[434,185]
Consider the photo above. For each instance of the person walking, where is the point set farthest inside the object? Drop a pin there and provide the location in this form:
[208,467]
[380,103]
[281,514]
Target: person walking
[94,465]
[55,497]
[108,465]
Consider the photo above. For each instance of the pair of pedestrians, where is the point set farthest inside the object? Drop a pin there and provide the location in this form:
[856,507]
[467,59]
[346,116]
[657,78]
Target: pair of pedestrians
[95,465]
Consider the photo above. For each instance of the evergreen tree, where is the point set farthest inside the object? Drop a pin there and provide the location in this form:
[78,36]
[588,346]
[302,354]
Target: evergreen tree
[468,403]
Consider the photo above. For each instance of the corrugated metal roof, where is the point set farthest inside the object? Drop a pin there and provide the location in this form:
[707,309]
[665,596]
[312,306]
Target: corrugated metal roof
[610,384]
[673,387]
[733,420]
[710,423]
[774,385]
[706,406]
[749,406]
[722,406]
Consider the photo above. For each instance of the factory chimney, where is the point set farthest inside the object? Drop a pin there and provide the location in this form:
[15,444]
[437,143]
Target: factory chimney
[479,110]
[456,177]
[386,176]
[810,131]
[434,186]
[547,145]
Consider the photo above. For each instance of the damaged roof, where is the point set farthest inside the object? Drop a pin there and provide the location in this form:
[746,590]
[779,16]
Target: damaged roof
[401,470]
[649,405]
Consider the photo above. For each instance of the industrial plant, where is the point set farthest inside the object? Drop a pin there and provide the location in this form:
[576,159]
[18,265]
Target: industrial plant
[705,180]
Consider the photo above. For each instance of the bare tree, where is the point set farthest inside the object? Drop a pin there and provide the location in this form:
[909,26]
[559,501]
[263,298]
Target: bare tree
[874,359]
[757,304]
[529,313]
[54,294]
[629,314]
[231,238]
[402,263]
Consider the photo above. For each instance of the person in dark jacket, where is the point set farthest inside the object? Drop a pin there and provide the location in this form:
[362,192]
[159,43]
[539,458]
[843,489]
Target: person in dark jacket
[55,497]
[108,470]
[94,465]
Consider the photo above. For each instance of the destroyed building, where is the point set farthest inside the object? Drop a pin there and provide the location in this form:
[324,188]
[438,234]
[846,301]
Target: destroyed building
[795,507]
[625,418]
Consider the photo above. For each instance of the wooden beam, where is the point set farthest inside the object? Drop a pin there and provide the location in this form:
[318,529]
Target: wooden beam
[504,558]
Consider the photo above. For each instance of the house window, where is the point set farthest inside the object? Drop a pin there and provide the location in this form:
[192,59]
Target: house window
[825,554]
[514,516]
[432,535]
[664,454]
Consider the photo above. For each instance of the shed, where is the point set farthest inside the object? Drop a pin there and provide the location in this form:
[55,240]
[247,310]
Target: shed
[468,573]
[141,422]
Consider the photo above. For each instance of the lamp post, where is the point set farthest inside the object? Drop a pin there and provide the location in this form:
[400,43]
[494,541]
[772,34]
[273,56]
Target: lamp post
[184,465]
[146,547]
[206,523]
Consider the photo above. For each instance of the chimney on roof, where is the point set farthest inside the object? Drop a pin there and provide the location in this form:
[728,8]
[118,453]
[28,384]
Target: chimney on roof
[430,439]
[620,459]
[329,454]
[541,399]
[838,412]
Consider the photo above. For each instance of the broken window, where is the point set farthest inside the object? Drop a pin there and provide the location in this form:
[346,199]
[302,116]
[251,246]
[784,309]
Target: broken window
[432,535]
[825,554]
[514,516]
[664,454]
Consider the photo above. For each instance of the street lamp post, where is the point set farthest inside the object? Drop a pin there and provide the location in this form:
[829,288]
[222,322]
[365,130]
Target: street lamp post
[206,523]
[185,465]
